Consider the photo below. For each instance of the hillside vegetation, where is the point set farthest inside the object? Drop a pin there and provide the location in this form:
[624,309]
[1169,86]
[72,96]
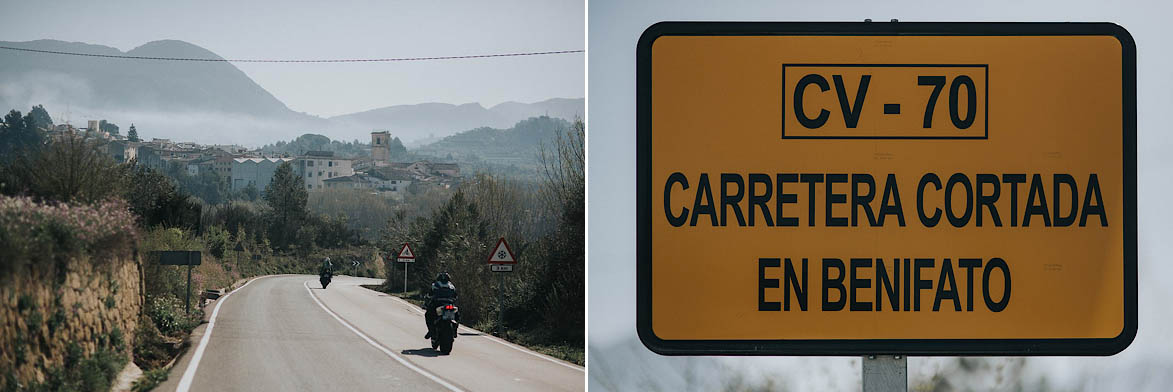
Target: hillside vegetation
[513,152]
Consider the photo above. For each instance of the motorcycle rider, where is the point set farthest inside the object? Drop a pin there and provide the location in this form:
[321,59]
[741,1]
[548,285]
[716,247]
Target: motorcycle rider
[327,266]
[442,292]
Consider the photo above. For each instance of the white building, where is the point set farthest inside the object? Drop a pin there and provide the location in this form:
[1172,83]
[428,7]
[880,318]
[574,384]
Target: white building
[317,166]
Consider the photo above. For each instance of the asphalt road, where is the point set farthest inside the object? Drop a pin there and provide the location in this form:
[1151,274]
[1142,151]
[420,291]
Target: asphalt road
[286,333]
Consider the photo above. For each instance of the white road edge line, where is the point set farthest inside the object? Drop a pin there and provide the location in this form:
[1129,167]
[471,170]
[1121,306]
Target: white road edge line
[189,374]
[372,342]
[499,340]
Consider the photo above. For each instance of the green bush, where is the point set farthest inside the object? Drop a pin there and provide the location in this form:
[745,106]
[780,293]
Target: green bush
[150,379]
[33,320]
[151,351]
[168,315]
[93,373]
[41,235]
[58,317]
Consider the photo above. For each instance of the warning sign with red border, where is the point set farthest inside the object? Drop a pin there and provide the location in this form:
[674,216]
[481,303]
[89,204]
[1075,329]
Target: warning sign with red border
[405,254]
[502,254]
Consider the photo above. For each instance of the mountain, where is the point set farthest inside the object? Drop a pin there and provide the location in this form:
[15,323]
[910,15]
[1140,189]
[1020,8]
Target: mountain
[419,123]
[565,108]
[155,85]
[520,143]
[214,102]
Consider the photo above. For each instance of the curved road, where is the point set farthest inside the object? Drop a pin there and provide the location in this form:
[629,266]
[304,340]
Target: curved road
[286,333]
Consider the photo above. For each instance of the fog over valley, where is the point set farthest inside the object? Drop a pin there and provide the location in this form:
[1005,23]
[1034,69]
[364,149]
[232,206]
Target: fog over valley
[214,102]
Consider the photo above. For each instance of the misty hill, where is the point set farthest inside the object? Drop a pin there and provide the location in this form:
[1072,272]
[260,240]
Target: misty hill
[123,85]
[512,151]
[356,149]
[210,101]
[214,102]
[417,122]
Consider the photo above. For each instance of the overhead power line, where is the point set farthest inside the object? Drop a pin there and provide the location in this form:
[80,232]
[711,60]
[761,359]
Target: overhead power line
[374,60]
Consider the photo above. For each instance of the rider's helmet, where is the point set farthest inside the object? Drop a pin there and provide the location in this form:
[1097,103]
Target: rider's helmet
[443,277]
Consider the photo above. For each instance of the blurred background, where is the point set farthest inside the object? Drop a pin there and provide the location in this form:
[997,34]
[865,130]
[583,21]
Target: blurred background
[617,359]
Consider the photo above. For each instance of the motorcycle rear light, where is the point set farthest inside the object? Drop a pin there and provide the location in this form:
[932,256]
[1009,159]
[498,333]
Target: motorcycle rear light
[449,307]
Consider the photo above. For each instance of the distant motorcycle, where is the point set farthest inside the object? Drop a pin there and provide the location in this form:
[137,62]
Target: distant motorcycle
[445,326]
[324,277]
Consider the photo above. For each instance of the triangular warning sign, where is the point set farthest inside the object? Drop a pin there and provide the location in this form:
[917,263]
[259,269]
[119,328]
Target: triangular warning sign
[406,252]
[501,253]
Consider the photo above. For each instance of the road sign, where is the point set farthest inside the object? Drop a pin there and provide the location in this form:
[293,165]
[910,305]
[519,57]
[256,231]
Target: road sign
[871,188]
[177,257]
[502,267]
[501,253]
[180,257]
[354,263]
[405,254]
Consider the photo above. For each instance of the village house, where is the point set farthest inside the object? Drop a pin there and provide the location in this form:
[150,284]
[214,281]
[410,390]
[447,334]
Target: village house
[315,167]
[426,169]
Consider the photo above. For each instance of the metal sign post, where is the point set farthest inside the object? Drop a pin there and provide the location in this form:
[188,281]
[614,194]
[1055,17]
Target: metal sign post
[180,257]
[239,248]
[501,260]
[405,256]
[885,373]
[187,301]
[500,305]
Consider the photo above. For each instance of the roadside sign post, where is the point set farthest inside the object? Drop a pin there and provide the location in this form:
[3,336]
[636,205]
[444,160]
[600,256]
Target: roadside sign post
[887,373]
[405,256]
[939,189]
[180,257]
[239,248]
[501,260]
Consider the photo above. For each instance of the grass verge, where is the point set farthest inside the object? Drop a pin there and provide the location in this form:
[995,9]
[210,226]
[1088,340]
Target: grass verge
[533,340]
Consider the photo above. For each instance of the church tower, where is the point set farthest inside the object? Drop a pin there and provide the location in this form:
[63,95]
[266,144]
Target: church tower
[380,148]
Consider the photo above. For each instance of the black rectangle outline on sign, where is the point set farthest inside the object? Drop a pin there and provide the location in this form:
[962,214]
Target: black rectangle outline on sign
[984,136]
[843,347]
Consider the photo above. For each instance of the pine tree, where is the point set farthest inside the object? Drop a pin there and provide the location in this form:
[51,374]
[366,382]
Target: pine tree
[287,196]
[132,134]
[39,119]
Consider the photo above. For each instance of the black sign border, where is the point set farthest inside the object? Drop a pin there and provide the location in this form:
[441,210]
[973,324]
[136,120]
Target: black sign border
[853,347]
[986,112]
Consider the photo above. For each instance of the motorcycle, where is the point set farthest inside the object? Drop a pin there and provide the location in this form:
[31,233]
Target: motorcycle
[444,328]
[324,278]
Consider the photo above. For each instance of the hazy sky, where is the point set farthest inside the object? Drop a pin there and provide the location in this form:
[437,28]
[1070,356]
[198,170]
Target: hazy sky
[615,27]
[345,29]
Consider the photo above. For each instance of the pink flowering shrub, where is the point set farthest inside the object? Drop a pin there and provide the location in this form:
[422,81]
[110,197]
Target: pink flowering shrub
[40,234]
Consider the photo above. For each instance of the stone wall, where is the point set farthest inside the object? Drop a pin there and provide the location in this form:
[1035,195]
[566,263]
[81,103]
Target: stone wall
[93,304]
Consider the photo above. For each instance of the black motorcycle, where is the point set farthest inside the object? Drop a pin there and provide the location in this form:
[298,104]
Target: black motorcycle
[324,277]
[444,328]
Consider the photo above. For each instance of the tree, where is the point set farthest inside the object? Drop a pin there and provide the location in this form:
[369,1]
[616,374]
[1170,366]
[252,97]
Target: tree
[287,196]
[12,134]
[566,191]
[20,134]
[73,168]
[39,119]
[249,193]
[396,147]
[132,134]
[157,201]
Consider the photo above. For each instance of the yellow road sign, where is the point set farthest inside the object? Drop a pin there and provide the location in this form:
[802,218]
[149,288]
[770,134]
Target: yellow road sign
[872,188]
